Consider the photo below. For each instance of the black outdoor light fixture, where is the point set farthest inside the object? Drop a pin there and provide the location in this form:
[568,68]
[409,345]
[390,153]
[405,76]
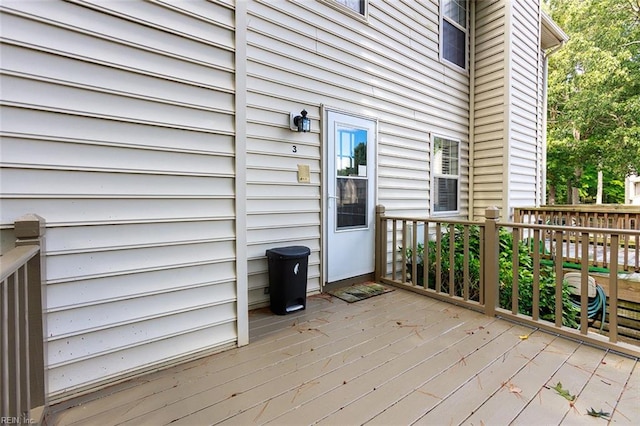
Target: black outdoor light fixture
[302,122]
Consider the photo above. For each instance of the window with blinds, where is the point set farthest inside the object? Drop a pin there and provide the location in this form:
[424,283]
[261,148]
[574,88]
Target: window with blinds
[453,34]
[446,175]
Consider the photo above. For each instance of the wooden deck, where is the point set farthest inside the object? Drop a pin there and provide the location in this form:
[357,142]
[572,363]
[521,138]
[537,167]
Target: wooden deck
[395,359]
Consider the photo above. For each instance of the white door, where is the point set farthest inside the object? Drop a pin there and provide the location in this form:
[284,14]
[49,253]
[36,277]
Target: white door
[351,176]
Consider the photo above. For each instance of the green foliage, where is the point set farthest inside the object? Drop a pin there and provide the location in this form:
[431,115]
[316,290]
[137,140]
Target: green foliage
[459,256]
[525,274]
[547,284]
[594,96]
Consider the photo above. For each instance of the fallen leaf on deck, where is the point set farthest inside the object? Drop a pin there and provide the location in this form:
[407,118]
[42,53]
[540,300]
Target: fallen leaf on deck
[514,389]
[594,413]
[563,392]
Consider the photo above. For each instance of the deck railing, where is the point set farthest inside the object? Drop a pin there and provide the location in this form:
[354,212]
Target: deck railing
[416,254]
[22,373]
[591,216]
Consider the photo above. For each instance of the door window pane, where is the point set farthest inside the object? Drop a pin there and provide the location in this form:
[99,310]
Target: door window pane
[351,153]
[352,202]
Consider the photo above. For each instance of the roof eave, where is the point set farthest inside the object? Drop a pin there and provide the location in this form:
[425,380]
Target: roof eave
[552,36]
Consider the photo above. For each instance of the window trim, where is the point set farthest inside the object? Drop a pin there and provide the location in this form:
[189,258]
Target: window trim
[466,31]
[434,175]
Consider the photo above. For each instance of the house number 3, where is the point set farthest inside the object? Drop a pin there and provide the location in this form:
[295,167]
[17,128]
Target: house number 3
[295,148]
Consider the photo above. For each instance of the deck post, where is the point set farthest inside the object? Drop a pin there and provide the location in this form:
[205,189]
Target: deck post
[380,247]
[29,231]
[491,281]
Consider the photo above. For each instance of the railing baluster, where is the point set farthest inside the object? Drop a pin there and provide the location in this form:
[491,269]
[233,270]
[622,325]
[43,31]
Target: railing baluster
[613,290]
[625,225]
[466,280]
[482,288]
[535,303]
[559,278]
[4,346]
[452,258]
[404,251]
[438,257]
[515,259]
[394,244]
[425,257]
[414,254]
[584,284]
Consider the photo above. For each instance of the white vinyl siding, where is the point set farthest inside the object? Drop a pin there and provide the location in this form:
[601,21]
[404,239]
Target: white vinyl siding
[118,129]
[508,106]
[308,54]
[489,106]
[525,140]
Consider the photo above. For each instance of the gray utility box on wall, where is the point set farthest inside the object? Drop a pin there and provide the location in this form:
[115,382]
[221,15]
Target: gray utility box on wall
[288,278]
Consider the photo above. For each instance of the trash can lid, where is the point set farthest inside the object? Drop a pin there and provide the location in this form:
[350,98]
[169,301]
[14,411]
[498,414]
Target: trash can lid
[290,252]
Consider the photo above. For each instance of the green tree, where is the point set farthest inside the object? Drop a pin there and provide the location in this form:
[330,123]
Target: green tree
[594,97]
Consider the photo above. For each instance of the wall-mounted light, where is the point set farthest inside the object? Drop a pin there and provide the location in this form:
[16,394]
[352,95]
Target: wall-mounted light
[301,123]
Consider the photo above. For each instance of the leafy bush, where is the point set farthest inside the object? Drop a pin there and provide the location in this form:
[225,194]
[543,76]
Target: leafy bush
[525,274]
[459,256]
[570,313]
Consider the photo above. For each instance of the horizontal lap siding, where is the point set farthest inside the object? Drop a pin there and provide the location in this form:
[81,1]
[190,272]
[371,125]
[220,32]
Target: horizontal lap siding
[307,54]
[489,106]
[524,149]
[118,129]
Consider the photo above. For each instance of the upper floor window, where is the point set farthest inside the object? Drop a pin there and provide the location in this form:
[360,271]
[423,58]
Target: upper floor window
[355,5]
[453,35]
[445,168]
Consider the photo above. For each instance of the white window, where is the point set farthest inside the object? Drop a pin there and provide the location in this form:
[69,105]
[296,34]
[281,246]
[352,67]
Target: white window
[445,169]
[355,5]
[454,31]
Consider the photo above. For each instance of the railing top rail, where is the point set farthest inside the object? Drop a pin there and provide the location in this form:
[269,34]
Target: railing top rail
[616,231]
[585,208]
[433,220]
[15,259]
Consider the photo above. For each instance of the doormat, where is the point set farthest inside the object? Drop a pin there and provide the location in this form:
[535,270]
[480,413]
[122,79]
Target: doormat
[358,292]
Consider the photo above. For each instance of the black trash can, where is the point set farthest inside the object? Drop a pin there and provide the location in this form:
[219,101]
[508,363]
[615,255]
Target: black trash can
[288,278]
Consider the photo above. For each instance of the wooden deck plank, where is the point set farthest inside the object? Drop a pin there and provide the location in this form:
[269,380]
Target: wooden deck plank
[444,381]
[603,390]
[550,407]
[336,381]
[376,397]
[394,359]
[423,345]
[326,373]
[155,383]
[341,343]
[530,380]
[295,336]
[628,409]
[495,378]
